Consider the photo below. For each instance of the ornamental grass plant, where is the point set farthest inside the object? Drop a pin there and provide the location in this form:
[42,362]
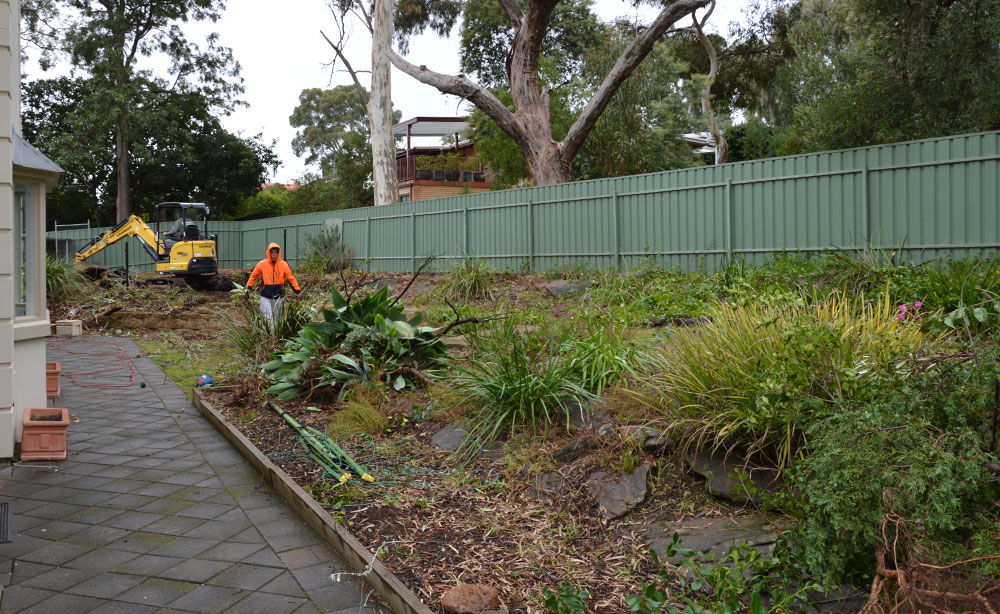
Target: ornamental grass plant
[63,280]
[470,279]
[516,382]
[757,375]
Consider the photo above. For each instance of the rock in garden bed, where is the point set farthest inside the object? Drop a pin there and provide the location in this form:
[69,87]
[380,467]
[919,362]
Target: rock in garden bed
[715,535]
[566,287]
[470,599]
[721,473]
[617,495]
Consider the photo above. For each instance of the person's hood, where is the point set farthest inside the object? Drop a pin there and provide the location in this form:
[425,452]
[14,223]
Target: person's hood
[267,253]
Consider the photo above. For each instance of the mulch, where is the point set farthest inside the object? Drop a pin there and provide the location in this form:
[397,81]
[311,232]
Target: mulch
[436,523]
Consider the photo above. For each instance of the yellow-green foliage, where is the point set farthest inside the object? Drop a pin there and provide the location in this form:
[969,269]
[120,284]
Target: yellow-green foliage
[757,374]
[361,413]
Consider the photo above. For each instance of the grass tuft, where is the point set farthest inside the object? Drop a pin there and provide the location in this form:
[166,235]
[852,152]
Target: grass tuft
[470,279]
[63,280]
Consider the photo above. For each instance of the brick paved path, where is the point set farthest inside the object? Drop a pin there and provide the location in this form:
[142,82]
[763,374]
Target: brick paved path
[154,511]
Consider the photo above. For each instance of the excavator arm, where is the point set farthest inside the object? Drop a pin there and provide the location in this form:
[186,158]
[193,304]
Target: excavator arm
[131,227]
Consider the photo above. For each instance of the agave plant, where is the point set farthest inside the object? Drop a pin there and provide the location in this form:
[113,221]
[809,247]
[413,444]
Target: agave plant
[321,357]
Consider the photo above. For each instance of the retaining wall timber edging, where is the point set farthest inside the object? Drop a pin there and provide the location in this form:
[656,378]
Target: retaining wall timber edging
[388,587]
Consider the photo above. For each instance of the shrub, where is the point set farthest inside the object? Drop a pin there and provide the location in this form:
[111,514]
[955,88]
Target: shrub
[757,375]
[861,270]
[469,280]
[63,280]
[648,293]
[514,386]
[325,252]
[886,457]
[918,452]
[250,333]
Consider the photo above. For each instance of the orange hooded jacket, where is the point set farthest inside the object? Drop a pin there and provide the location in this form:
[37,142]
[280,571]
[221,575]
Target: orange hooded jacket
[273,275]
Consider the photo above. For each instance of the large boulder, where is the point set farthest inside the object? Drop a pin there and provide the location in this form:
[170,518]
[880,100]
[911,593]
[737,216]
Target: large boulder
[575,449]
[450,438]
[583,417]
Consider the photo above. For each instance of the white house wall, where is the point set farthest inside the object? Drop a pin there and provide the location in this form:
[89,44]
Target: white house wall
[8,87]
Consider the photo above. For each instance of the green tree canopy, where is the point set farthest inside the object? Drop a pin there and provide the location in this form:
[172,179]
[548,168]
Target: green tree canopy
[184,153]
[107,41]
[333,134]
[852,73]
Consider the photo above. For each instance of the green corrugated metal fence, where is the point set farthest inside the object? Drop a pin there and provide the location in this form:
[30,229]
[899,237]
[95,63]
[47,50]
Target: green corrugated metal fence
[933,197]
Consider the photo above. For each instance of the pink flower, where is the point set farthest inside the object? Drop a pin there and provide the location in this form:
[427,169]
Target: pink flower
[902,317]
[917,305]
[902,308]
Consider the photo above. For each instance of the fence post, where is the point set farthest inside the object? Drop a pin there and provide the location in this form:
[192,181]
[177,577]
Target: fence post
[729,219]
[298,247]
[368,242]
[127,280]
[241,246]
[531,236]
[465,234]
[866,205]
[618,236]
[413,241]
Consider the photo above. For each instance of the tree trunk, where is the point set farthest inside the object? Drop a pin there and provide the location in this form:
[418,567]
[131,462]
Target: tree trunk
[380,108]
[721,146]
[529,125]
[123,204]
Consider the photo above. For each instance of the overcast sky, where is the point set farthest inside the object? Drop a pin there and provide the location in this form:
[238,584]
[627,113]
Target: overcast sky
[281,52]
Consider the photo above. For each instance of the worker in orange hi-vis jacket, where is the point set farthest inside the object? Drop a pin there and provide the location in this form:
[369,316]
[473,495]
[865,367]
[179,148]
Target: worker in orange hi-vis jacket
[273,273]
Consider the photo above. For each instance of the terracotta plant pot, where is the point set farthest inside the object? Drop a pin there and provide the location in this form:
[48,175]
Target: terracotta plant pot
[44,434]
[53,371]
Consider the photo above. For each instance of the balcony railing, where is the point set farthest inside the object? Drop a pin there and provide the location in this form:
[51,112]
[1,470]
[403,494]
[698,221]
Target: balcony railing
[455,169]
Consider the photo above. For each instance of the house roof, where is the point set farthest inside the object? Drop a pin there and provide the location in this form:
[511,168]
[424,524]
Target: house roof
[432,126]
[27,156]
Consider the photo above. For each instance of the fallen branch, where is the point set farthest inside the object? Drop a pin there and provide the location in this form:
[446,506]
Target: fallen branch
[459,320]
[413,278]
[416,374]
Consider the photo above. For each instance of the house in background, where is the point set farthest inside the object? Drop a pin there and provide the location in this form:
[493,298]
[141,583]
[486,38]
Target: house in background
[26,175]
[435,171]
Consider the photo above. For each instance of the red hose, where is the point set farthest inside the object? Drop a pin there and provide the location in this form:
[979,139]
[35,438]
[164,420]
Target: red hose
[123,361]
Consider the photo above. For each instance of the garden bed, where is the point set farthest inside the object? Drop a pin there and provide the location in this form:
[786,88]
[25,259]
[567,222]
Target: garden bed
[836,368]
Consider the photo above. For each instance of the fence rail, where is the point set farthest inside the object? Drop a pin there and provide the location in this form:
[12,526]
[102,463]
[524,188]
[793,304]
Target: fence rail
[928,198]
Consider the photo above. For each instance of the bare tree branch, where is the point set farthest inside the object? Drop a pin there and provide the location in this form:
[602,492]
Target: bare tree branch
[413,278]
[347,64]
[461,86]
[626,63]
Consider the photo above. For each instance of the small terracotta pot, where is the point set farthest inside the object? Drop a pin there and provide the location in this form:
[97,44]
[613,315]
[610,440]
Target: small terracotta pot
[43,436]
[53,371]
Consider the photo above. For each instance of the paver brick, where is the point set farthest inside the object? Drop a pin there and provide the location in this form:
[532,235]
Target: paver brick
[209,599]
[244,576]
[107,585]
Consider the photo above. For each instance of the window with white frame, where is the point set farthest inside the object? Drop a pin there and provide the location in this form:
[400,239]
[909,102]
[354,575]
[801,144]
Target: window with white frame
[27,269]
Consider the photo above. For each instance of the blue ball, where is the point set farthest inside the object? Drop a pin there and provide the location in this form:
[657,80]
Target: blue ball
[203,381]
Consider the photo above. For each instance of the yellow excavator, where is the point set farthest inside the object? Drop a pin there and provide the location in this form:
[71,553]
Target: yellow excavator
[184,250]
